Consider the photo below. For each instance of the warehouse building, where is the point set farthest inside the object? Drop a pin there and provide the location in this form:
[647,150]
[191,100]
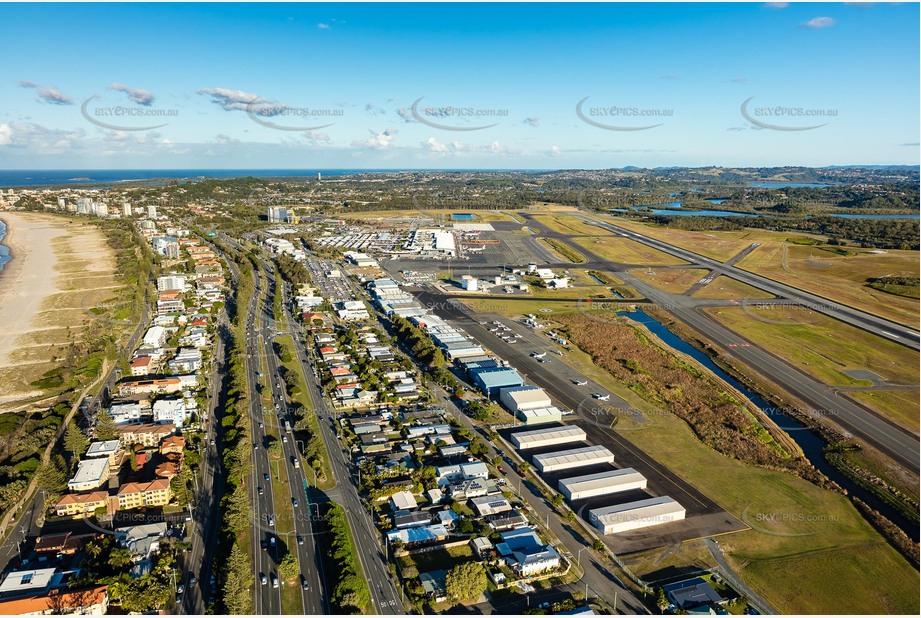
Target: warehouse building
[573,458]
[540,416]
[519,398]
[547,437]
[492,380]
[601,484]
[635,515]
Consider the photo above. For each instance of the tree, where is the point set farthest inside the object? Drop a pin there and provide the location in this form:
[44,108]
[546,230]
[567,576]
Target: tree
[557,500]
[598,546]
[119,558]
[105,426]
[465,582]
[239,582]
[661,600]
[75,442]
[288,568]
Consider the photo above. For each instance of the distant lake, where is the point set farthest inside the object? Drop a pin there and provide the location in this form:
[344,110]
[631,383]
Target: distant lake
[700,213]
[717,200]
[784,185]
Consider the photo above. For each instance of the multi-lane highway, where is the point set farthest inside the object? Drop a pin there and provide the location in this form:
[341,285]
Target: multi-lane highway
[269,475]
[369,543]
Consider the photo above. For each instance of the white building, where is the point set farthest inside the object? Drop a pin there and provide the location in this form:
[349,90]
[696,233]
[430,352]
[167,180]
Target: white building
[635,515]
[171,282]
[170,411]
[155,337]
[91,473]
[601,484]
[125,413]
[538,438]
[471,284]
[110,449]
[573,458]
[188,360]
[518,398]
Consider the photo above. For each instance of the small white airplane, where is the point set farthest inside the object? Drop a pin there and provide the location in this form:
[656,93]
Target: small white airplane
[601,397]
[580,382]
[536,355]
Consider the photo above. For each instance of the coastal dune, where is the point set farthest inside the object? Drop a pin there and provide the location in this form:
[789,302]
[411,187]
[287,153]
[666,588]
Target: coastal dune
[57,264]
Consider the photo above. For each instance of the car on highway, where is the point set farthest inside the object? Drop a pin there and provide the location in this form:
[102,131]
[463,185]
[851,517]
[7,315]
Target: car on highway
[300,539]
[263,579]
[294,501]
[255,446]
[265,477]
[192,578]
[180,589]
[271,520]
[274,581]
[304,583]
[212,441]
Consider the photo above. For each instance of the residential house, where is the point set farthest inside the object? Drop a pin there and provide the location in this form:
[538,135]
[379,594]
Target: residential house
[136,495]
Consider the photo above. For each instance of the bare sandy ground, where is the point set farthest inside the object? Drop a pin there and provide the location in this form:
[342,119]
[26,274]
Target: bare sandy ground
[55,264]
[29,277]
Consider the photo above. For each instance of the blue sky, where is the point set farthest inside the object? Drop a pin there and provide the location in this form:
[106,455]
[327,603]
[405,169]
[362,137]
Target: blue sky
[334,86]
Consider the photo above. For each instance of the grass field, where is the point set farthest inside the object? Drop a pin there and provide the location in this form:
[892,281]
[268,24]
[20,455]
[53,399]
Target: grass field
[827,566]
[567,224]
[727,287]
[672,280]
[625,251]
[564,250]
[826,348]
[841,278]
[713,244]
[893,404]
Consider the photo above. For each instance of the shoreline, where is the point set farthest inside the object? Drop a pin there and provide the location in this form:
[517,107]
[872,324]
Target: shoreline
[28,278]
[6,241]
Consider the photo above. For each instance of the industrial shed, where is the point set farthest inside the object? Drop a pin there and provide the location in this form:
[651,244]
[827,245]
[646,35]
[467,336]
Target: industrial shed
[573,458]
[601,484]
[547,437]
[635,515]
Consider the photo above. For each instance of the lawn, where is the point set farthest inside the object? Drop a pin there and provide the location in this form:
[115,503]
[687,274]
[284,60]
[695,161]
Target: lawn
[672,280]
[566,224]
[625,251]
[563,249]
[827,566]
[825,348]
[892,404]
[727,287]
[842,278]
[438,559]
[713,244]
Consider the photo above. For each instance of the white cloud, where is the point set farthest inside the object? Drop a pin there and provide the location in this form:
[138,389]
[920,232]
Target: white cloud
[49,95]
[377,141]
[405,114]
[136,95]
[230,100]
[6,133]
[433,145]
[776,5]
[555,151]
[819,22]
[374,110]
[322,26]
[532,122]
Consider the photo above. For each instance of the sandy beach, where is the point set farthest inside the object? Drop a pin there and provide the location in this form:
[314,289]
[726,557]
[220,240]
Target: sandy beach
[29,277]
[60,268]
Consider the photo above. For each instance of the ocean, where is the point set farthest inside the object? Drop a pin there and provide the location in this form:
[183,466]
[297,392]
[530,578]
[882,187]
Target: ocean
[4,250]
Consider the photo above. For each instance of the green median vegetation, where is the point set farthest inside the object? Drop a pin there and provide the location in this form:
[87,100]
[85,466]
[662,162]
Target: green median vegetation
[350,592]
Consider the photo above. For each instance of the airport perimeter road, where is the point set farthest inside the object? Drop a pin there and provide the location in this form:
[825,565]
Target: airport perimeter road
[871,323]
[861,422]
[368,541]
